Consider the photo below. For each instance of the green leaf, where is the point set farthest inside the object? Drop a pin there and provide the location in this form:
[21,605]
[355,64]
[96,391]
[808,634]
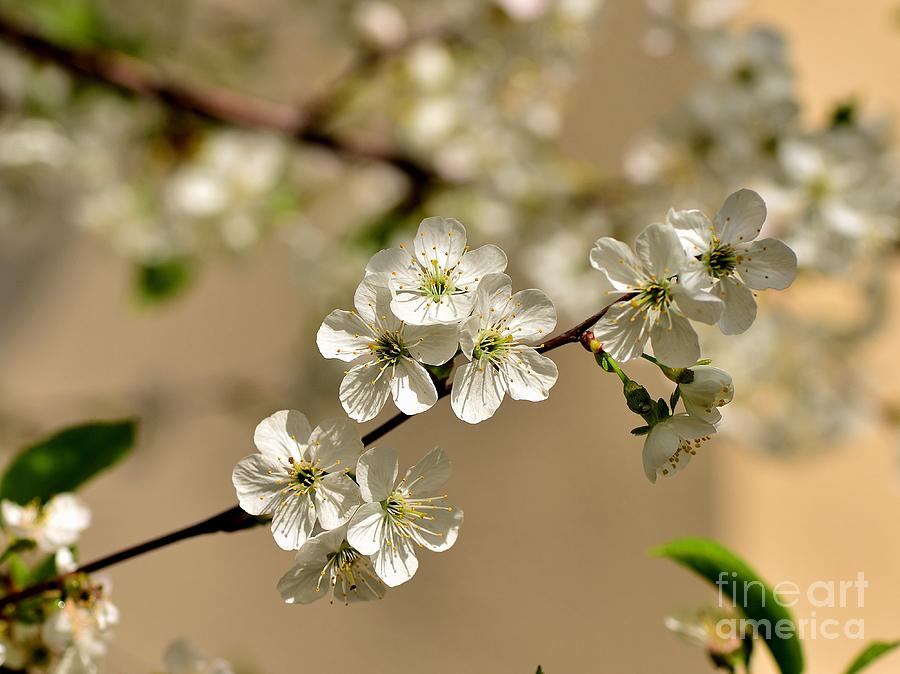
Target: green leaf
[164,280]
[539,670]
[757,601]
[66,460]
[44,571]
[19,573]
[871,653]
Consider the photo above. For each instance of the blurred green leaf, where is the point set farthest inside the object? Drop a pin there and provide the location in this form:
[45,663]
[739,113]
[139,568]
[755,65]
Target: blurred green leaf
[162,281]
[21,545]
[871,653]
[713,561]
[66,460]
[19,573]
[44,571]
[539,670]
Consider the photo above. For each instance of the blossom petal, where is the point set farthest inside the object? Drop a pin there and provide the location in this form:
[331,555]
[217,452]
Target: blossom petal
[533,316]
[303,583]
[693,228]
[397,563]
[768,263]
[623,332]
[440,240]
[343,335]
[660,251]
[365,531]
[529,375]
[492,298]
[429,474]
[698,305]
[376,473]
[363,392]
[618,263]
[440,532]
[477,392]
[389,263]
[675,344]
[336,497]
[257,480]
[280,434]
[293,521]
[740,306]
[335,441]
[431,344]
[412,387]
[659,445]
[741,217]
[478,263]
[373,304]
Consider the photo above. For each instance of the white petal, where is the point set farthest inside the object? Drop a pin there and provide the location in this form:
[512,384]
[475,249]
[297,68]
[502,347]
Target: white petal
[396,564]
[439,533]
[279,435]
[376,473]
[740,306]
[343,335]
[373,303]
[441,240]
[478,263]
[337,496]
[389,263]
[413,307]
[659,250]
[363,392]
[698,305]
[711,388]
[768,263]
[659,445]
[293,521]
[623,332]
[429,474]
[492,298]
[477,392]
[431,344]
[468,331]
[741,217]
[303,583]
[258,480]
[335,441]
[529,375]
[365,531]
[693,228]
[675,342]
[533,316]
[412,387]
[618,263]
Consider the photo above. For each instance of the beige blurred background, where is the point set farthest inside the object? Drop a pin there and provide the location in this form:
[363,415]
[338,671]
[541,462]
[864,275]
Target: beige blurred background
[552,563]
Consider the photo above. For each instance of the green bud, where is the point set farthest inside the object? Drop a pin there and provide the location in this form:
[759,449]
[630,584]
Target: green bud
[637,397]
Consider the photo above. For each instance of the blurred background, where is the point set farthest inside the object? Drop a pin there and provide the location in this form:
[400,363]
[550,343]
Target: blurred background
[172,256]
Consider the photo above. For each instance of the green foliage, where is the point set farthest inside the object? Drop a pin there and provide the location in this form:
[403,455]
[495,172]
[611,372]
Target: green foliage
[65,460]
[162,281]
[539,670]
[713,562]
[871,653]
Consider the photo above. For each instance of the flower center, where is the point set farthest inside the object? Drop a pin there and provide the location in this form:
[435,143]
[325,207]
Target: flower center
[492,345]
[685,447]
[347,569]
[656,294]
[720,260]
[304,476]
[409,516]
[436,282]
[388,347]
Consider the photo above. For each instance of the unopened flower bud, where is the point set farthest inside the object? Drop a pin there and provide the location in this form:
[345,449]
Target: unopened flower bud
[637,397]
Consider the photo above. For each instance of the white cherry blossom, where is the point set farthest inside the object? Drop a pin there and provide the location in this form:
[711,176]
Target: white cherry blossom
[55,525]
[437,280]
[710,389]
[329,566]
[661,304]
[182,658]
[299,475]
[729,259]
[386,352]
[671,443]
[397,516]
[498,339]
[78,634]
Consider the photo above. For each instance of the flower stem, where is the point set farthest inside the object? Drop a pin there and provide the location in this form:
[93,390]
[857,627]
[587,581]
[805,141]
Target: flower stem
[235,519]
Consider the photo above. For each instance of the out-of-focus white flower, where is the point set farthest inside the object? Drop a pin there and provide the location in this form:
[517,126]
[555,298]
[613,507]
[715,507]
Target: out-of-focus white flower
[430,65]
[728,258]
[710,388]
[499,341]
[671,443]
[78,635]
[381,24]
[299,475]
[398,516]
[56,524]
[182,658]
[34,141]
[436,282]
[329,566]
[387,354]
[662,304]
[525,10]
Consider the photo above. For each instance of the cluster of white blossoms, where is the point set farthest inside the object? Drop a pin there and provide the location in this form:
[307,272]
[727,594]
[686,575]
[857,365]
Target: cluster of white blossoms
[66,634]
[689,268]
[354,524]
[422,306]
